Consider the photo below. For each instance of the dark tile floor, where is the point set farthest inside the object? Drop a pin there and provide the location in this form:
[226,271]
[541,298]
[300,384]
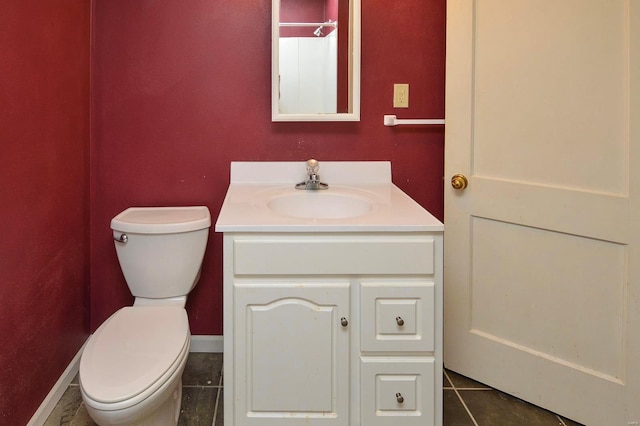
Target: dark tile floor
[469,403]
[201,396]
[466,402]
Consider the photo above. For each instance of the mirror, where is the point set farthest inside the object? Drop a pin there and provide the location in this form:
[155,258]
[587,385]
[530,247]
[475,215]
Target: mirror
[315,60]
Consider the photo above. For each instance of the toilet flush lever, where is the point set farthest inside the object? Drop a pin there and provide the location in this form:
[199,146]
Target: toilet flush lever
[123,238]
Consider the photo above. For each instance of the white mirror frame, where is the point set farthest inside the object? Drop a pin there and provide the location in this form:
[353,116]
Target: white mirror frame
[354,70]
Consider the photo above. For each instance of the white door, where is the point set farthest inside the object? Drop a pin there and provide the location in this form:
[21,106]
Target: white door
[542,278]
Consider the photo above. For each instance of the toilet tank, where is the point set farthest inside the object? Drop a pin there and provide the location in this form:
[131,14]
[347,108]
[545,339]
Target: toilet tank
[160,249]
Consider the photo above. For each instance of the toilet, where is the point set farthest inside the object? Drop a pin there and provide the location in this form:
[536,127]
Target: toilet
[131,367]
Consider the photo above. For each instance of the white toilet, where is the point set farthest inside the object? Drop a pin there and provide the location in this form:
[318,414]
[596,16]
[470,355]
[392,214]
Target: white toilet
[131,367]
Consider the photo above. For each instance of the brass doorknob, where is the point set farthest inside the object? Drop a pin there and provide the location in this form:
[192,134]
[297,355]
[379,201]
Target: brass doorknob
[459,181]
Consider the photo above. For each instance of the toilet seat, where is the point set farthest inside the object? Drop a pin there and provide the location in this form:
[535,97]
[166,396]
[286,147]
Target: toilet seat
[132,354]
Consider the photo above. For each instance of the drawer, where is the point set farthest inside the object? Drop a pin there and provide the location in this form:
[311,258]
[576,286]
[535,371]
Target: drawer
[322,255]
[398,316]
[397,391]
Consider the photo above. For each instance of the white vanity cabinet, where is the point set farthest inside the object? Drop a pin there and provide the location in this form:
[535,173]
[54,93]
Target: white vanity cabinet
[333,328]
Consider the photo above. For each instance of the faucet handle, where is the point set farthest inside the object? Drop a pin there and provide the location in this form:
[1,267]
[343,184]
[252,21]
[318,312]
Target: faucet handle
[313,180]
[312,166]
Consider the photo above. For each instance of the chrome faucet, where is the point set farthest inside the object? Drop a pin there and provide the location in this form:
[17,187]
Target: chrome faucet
[313,182]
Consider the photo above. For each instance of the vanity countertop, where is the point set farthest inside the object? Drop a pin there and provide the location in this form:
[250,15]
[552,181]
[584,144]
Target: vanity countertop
[256,188]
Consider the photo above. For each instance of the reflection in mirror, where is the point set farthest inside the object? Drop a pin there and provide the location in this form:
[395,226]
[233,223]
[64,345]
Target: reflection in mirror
[316,60]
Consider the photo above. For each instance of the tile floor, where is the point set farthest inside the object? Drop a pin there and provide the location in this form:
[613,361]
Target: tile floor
[466,402]
[201,396]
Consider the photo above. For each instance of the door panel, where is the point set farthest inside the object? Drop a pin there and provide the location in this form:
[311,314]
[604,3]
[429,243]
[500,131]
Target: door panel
[528,294]
[541,288]
[555,75]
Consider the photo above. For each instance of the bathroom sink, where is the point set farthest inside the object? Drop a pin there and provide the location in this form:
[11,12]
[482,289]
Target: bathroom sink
[320,205]
[262,197]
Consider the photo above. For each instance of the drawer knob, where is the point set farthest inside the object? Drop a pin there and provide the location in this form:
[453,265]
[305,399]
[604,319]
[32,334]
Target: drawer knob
[344,322]
[399,321]
[399,398]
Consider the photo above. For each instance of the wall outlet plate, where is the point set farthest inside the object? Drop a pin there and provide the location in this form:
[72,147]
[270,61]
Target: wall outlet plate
[401,95]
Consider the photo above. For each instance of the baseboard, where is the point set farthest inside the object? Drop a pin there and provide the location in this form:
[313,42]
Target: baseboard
[57,391]
[206,343]
[199,343]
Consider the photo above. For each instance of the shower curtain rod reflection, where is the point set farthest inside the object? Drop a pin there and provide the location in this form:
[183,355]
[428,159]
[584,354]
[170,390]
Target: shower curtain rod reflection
[309,24]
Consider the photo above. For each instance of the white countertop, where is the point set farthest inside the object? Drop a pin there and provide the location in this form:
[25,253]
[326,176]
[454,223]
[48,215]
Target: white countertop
[254,185]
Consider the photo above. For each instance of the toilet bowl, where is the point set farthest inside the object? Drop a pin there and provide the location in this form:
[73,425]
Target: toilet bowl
[133,364]
[131,367]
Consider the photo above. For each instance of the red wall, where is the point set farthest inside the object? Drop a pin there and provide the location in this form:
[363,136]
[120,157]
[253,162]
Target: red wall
[44,140]
[301,11]
[181,91]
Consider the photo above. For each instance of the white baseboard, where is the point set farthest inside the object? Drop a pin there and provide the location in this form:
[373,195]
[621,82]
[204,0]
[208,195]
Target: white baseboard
[57,391]
[199,343]
[206,343]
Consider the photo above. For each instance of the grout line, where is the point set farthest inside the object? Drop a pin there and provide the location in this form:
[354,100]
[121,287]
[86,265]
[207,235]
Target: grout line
[465,407]
[80,407]
[461,400]
[201,386]
[474,389]
[481,386]
[215,408]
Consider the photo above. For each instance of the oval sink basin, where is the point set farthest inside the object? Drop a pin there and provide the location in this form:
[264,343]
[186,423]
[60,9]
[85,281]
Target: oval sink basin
[319,205]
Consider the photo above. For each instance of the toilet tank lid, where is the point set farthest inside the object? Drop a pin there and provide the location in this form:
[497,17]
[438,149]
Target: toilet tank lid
[162,220]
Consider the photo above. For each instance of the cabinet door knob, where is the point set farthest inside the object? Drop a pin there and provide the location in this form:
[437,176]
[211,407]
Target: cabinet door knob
[399,321]
[399,398]
[344,322]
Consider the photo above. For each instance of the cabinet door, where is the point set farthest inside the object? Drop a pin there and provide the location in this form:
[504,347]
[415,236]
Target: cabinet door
[292,354]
